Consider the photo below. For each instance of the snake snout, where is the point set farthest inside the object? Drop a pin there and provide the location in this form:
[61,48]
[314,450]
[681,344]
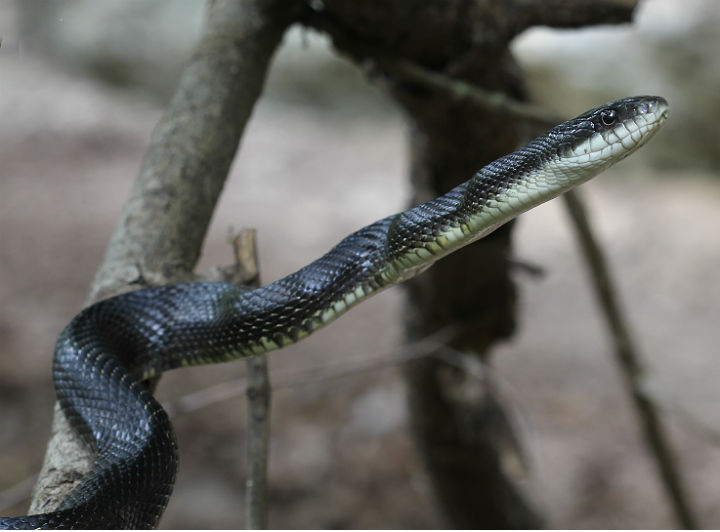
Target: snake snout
[656,106]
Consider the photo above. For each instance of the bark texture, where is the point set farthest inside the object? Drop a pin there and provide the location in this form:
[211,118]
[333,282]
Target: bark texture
[160,233]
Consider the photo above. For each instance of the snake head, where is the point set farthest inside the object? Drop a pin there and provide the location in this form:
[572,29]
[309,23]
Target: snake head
[604,135]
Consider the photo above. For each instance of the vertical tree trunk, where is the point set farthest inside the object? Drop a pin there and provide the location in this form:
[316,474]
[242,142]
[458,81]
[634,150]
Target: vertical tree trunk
[459,423]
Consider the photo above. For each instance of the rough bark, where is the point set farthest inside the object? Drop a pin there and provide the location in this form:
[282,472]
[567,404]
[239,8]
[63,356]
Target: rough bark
[460,425]
[160,233]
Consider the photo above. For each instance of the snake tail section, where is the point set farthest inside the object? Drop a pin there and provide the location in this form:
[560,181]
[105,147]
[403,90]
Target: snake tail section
[107,350]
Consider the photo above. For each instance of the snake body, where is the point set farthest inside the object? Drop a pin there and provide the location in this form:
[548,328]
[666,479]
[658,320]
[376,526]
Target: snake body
[106,351]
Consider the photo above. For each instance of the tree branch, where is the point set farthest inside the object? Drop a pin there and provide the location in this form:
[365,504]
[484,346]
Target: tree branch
[258,430]
[161,229]
[459,91]
[258,392]
[569,13]
[453,32]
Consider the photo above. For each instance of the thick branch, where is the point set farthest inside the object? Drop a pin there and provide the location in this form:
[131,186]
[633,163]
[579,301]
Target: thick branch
[161,230]
[568,13]
[451,32]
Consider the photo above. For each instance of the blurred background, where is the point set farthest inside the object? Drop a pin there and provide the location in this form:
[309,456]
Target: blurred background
[82,84]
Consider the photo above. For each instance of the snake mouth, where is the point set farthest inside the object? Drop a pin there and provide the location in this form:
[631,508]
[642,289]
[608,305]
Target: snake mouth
[611,132]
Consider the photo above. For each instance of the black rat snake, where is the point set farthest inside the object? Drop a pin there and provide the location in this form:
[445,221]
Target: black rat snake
[109,348]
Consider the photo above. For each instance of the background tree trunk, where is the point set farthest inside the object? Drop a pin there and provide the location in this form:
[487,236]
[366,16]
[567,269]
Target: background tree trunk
[459,423]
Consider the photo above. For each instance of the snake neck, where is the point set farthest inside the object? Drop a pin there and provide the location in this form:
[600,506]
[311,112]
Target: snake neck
[493,196]
[398,247]
[393,250]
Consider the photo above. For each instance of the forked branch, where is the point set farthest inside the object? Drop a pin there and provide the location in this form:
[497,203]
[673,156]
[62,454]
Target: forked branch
[163,224]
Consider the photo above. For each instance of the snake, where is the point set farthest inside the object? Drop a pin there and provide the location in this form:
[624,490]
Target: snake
[108,350]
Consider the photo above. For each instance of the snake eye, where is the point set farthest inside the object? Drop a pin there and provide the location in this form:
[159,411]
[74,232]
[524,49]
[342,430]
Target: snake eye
[608,118]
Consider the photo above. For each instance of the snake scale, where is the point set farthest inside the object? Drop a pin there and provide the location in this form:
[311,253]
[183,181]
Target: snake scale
[108,349]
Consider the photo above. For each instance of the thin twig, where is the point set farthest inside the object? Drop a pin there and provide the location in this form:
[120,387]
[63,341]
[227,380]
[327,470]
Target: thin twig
[629,364]
[461,91]
[258,394]
[258,436]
